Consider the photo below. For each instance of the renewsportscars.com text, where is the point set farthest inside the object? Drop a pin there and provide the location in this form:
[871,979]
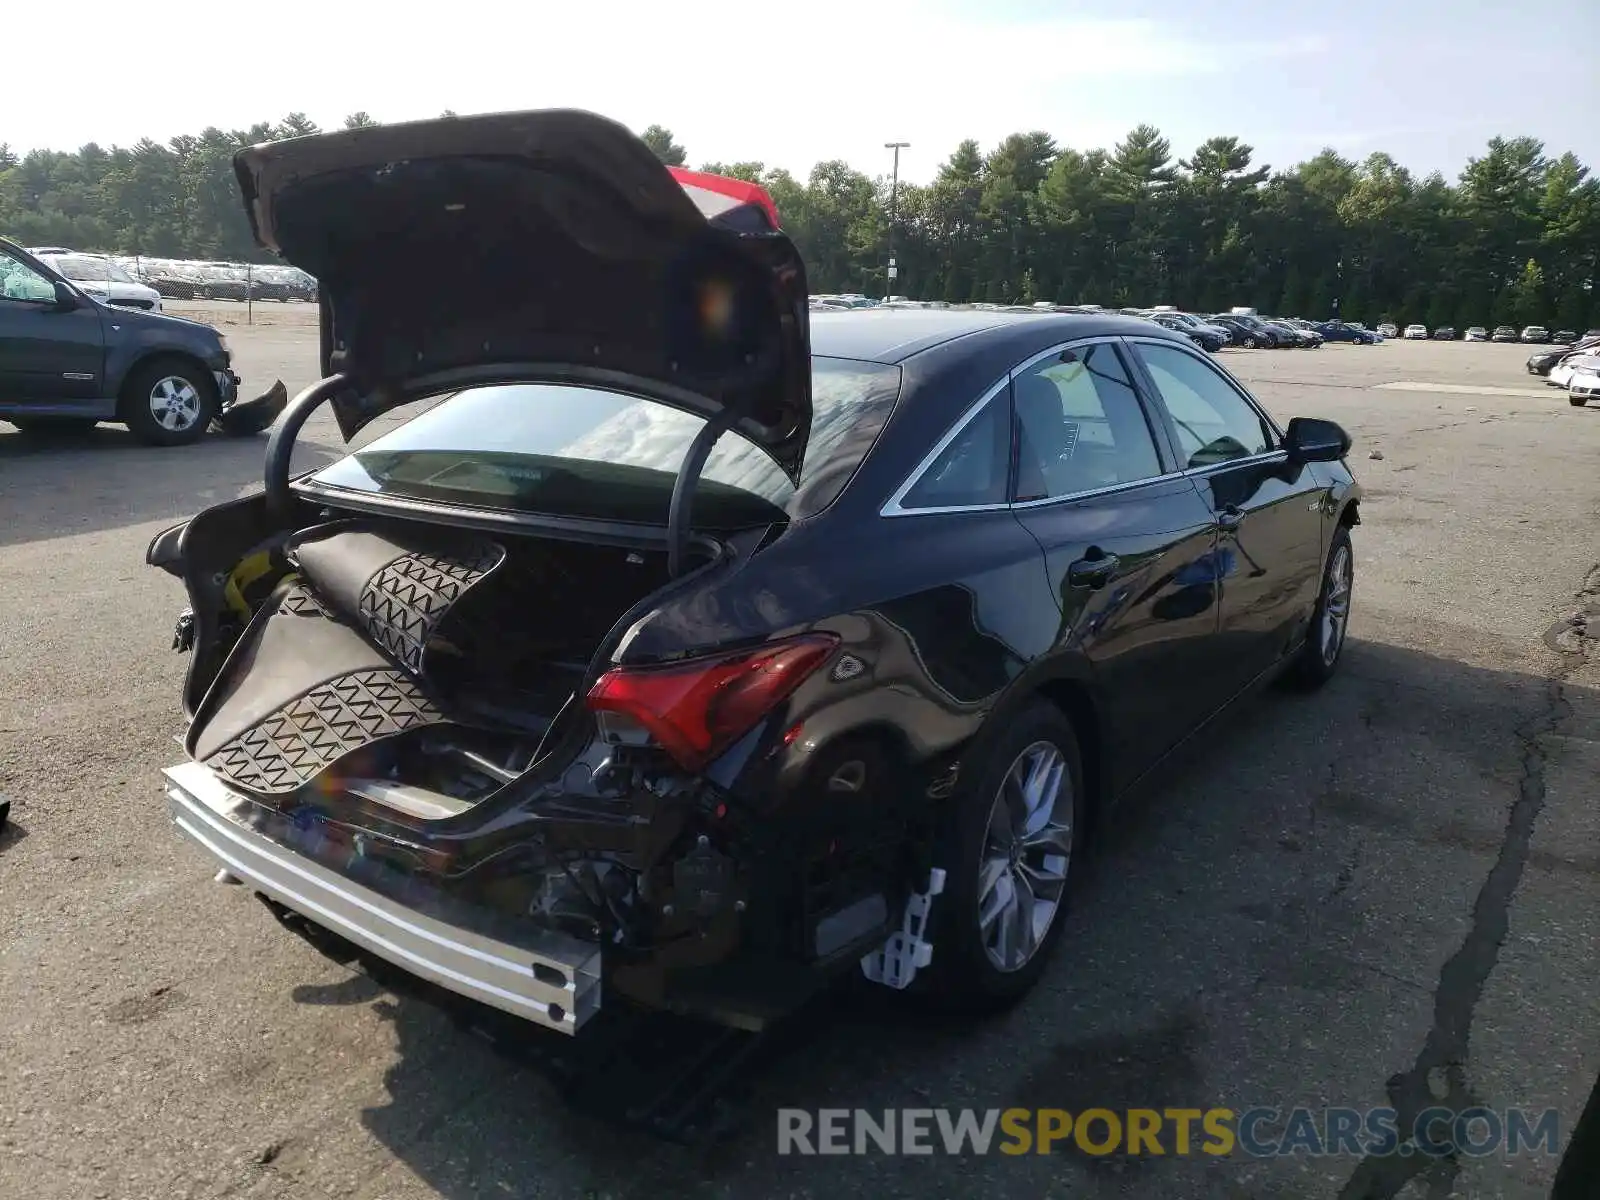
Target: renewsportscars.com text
[1258,1132]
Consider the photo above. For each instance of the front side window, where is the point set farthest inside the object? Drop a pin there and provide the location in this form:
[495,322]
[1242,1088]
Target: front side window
[19,281]
[570,450]
[1080,426]
[1212,422]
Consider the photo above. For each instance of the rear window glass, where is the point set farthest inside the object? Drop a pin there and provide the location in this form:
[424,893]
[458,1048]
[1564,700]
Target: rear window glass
[581,451]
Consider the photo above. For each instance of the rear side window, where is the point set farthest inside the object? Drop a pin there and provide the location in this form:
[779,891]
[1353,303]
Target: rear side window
[579,451]
[974,468]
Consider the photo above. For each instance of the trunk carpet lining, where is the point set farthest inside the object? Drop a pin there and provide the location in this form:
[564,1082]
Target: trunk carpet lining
[335,661]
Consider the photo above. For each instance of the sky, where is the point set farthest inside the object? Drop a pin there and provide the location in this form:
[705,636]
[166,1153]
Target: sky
[1428,81]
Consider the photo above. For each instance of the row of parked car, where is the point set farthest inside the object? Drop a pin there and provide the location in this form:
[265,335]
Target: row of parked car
[1536,334]
[1240,327]
[1574,366]
[134,281]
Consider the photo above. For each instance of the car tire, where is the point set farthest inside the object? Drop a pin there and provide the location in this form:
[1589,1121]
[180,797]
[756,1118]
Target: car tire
[168,402]
[1249,343]
[1323,649]
[53,426]
[1577,401]
[984,859]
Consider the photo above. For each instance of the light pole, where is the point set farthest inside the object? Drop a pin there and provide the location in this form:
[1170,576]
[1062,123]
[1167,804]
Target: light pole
[894,191]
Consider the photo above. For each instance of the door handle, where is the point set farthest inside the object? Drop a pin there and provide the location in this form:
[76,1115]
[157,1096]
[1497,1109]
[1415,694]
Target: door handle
[1230,518]
[1093,572]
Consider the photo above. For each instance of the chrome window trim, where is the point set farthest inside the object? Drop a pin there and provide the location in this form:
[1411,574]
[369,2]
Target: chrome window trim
[1110,489]
[1133,384]
[1227,377]
[892,507]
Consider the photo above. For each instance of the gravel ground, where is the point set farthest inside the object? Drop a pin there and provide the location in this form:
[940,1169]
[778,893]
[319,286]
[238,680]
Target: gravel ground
[1385,890]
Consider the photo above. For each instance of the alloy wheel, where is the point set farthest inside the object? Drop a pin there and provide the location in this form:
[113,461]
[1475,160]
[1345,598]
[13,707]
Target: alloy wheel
[1022,875]
[1336,604]
[175,404]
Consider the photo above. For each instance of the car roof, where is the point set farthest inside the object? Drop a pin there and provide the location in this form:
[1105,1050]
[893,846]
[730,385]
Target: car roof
[892,335]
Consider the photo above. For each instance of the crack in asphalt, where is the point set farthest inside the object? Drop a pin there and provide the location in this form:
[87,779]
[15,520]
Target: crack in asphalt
[1439,1074]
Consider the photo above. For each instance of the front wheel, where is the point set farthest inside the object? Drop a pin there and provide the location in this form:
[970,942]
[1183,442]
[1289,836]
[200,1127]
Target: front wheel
[1577,401]
[1013,830]
[1249,343]
[1330,620]
[168,402]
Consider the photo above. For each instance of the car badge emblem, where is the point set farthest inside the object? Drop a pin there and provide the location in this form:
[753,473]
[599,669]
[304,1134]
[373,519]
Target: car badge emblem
[848,667]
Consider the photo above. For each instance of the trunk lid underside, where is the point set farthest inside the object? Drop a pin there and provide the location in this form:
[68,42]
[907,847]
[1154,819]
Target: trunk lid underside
[550,242]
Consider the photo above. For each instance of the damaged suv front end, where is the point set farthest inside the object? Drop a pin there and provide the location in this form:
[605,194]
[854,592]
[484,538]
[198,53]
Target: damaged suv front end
[469,707]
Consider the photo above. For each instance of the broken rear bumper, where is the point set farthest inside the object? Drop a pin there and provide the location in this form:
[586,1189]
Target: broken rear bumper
[547,977]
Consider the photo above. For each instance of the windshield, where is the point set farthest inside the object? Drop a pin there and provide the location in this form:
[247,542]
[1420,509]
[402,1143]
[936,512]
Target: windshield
[578,451]
[90,270]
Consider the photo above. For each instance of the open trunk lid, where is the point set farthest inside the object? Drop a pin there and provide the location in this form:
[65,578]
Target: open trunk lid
[538,245]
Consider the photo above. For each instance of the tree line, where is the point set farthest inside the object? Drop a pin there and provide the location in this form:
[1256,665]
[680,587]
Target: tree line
[1514,240]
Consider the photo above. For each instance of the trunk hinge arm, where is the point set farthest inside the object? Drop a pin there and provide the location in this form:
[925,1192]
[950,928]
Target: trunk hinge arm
[684,485]
[280,442]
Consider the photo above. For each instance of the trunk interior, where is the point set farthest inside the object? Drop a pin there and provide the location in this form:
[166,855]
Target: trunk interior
[415,667]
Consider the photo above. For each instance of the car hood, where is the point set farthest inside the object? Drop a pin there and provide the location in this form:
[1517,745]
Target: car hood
[549,244]
[113,287]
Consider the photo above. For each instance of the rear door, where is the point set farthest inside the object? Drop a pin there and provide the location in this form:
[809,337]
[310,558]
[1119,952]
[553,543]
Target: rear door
[1268,518]
[47,356]
[1128,545]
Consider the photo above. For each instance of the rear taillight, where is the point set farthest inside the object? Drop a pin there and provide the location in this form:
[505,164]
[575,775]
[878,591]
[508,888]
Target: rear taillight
[698,708]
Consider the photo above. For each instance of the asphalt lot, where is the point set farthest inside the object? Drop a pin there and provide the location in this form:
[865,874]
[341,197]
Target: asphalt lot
[1379,894]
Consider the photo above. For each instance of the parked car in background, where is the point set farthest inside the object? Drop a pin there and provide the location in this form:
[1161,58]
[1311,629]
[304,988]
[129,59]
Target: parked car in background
[1570,363]
[1304,333]
[1544,362]
[102,278]
[1583,383]
[1565,336]
[1477,333]
[1251,331]
[1416,333]
[1535,333]
[1345,331]
[1445,333]
[1389,330]
[70,359]
[1209,340]
[1190,321]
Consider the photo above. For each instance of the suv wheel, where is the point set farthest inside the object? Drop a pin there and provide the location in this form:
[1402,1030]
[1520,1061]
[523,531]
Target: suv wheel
[168,402]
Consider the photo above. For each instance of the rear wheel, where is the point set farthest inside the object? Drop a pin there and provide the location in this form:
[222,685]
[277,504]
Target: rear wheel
[1010,838]
[168,402]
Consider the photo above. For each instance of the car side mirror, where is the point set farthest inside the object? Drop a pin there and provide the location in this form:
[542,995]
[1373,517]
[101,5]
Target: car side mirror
[1310,439]
[66,298]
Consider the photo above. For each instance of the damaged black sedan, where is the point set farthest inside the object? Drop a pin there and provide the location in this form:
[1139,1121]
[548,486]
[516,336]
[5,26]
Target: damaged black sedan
[691,647]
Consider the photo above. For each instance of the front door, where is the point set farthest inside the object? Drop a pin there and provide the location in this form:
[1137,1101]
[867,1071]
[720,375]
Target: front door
[1268,516]
[49,357]
[1128,545]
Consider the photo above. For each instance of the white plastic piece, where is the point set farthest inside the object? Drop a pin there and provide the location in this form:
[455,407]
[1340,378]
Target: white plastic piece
[906,951]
